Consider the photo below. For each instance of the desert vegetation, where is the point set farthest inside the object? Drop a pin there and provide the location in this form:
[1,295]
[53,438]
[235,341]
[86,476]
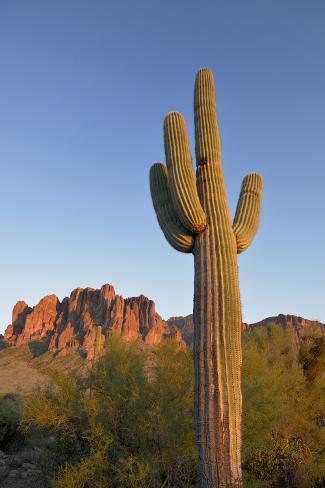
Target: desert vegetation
[137,427]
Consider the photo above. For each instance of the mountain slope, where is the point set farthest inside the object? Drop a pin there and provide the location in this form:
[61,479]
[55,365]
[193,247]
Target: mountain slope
[70,325]
[298,325]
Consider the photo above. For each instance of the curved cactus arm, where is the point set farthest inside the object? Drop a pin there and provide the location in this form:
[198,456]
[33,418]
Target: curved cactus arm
[248,211]
[207,137]
[181,177]
[177,236]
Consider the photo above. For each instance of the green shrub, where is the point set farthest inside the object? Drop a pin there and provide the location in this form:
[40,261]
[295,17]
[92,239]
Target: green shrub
[137,427]
[10,406]
[133,431]
[283,437]
[312,357]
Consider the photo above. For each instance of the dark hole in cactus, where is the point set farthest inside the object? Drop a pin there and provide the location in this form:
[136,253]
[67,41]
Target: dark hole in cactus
[203,161]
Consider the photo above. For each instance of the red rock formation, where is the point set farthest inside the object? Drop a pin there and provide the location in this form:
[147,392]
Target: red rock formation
[71,324]
[19,313]
[184,325]
[298,325]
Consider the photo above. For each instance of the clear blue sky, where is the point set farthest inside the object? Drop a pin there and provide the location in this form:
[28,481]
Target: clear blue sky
[84,87]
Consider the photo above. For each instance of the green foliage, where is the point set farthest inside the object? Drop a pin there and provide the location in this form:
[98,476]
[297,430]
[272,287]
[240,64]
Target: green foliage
[283,437]
[10,405]
[271,378]
[55,409]
[173,416]
[312,357]
[137,429]
[127,433]
[132,473]
[277,460]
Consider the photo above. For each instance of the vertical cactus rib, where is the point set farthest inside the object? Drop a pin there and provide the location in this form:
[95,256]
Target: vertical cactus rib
[207,138]
[217,347]
[181,175]
[248,211]
[177,236]
[98,342]
[97,350]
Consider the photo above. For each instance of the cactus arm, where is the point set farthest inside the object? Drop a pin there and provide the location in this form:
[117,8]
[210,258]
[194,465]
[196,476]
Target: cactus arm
[177,236]
[207,137]
[248,211]
[181,176]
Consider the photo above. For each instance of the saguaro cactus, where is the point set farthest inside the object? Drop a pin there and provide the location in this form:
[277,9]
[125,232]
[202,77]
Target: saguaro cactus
[193,214]
[97,351]
[98,343]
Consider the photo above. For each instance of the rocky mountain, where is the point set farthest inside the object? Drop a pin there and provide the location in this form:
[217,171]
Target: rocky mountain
[71,324]
[298,325]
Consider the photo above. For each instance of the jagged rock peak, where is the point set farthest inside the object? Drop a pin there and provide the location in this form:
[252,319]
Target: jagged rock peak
[71,324]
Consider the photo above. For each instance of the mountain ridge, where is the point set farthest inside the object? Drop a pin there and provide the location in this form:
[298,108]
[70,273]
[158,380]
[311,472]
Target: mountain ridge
[70,324]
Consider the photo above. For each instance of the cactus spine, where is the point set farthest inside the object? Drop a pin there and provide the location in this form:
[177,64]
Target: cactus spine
[195,218]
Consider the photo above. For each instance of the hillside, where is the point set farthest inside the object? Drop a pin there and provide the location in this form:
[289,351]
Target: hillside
[297,325]
[63,333]
[22,369]
[60,335]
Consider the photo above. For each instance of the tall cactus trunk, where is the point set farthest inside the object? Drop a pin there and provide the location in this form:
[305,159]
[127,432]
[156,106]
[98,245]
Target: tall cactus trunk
[217,339]
[194,217]
[97,350]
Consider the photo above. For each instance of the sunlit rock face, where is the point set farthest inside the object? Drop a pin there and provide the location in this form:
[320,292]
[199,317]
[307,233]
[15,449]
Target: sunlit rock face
[297,325]
[71,324]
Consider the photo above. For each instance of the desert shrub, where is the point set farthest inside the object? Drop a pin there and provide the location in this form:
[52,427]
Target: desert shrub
[174,455]
[283,437]
[312,357]
[150,420]
[277,460]
[136,429]
[132,432]
[10,405]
